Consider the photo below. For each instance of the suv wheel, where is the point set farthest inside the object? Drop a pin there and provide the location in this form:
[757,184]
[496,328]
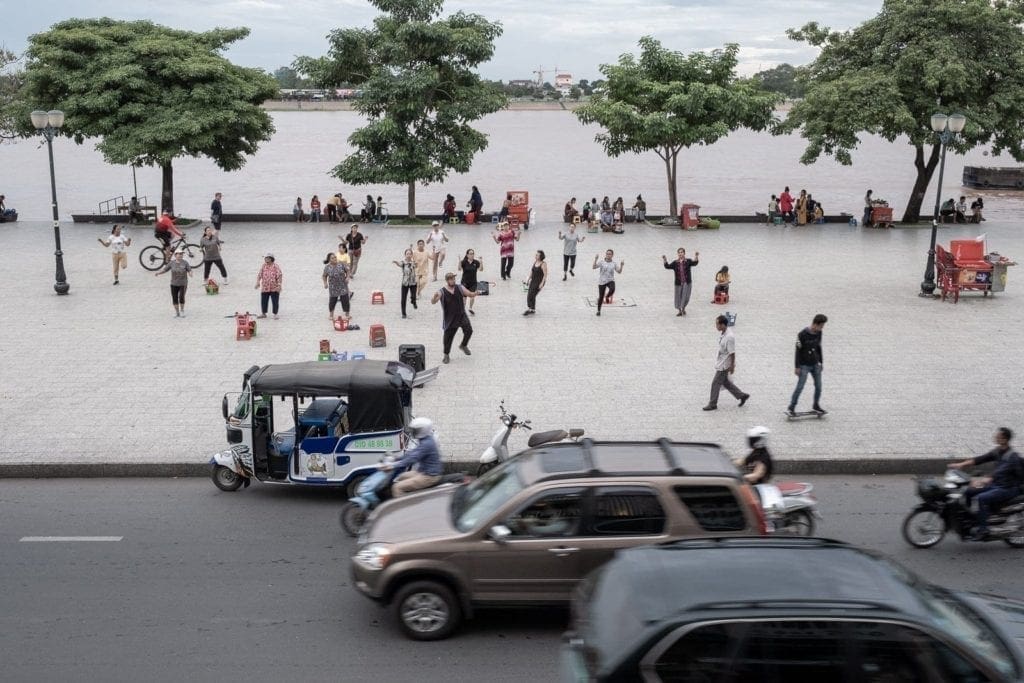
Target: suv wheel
[427,610]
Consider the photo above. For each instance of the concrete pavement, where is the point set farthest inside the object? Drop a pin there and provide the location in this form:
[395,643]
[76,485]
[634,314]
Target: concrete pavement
[107,381]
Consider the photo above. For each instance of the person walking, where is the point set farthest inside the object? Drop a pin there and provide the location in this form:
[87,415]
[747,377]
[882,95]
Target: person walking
[216,211]
[570,240]
[682,276]
[421,257]
[786,206]
[809,360]
[476,202]
[506,238]
[469,266]
[180,271]
[408,267]
[210,244]
[335,279]
[269,280]
[725,365]
[538,278]
[453,314]
[342,254]
[606,277]
[355,241]
[118,244]
[436,240]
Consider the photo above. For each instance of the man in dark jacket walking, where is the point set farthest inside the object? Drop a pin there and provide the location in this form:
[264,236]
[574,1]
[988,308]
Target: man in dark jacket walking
[809,359]
[683,279]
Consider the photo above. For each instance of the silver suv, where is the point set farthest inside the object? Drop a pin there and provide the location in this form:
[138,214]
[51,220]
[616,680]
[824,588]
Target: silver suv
[528,531]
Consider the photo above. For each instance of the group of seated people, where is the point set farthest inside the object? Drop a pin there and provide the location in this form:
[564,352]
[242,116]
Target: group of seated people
[957,211]
[337,210]
[801,211]
[5,213]
[606,214]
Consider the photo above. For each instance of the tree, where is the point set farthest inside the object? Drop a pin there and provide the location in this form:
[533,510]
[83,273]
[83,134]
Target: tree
[781,79]
[575,93]
[586,87]
[666,101]
[888,76]
[287,78]
[11,79]
[420,92]
[151,93]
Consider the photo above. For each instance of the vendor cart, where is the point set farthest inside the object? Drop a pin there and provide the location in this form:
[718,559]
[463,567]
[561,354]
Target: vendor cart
[881,217]
[966,267]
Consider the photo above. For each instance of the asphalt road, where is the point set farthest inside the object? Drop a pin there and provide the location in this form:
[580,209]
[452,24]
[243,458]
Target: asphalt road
[254,585]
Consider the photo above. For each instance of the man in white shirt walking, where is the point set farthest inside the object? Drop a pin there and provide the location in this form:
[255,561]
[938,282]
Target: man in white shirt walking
[725,365]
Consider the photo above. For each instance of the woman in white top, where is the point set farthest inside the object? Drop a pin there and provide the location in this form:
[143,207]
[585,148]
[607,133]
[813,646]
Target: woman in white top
[606,277]
[436,241]
[118,244]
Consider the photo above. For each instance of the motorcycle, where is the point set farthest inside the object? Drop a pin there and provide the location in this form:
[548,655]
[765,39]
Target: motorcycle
[943,509]
[789,507]
[497,452]
[376,489]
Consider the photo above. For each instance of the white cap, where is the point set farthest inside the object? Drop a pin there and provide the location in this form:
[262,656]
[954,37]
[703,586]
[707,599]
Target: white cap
[435,224]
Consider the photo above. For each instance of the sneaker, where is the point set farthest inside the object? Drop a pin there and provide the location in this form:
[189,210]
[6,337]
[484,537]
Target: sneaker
[572,273]
[275,316]
[404,315]
[183,314]
[563,277]
[790,412]
[679,314]
[743,399]
[684,311]
[819,410]
[262,315]
[465,350]
[599,312]
[225,281]
[710,407]
[446,359]
[177,315]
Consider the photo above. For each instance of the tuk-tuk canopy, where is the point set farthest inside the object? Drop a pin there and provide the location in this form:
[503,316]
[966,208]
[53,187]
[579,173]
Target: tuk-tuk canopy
[376,390]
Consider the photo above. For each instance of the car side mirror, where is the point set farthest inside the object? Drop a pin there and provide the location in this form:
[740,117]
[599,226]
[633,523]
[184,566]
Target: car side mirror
[498,533]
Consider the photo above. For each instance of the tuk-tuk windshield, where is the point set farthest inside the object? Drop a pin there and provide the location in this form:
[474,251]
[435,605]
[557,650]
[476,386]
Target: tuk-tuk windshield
[241,410]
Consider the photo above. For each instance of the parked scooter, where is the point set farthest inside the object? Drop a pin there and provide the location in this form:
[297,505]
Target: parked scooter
[943,509]
[789,507]
[497,452]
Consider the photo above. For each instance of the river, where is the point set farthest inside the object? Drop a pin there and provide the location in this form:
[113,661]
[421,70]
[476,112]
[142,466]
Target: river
[548,153]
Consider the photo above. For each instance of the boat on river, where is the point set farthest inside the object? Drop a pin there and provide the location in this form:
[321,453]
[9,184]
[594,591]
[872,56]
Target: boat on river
[994,177]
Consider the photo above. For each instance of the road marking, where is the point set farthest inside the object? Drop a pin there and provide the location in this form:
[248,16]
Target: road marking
[69,539]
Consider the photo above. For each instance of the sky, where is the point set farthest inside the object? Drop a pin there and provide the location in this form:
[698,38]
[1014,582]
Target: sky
[576,36]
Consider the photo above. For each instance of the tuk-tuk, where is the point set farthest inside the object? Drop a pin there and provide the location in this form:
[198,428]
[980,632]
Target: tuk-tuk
[342,417]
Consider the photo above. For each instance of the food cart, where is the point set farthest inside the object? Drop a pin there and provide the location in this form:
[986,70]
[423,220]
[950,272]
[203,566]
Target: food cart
[966,266]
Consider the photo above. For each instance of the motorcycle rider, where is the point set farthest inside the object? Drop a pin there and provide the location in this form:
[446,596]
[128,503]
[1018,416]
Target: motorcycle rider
[1005,483]
[424,461]
[757,466]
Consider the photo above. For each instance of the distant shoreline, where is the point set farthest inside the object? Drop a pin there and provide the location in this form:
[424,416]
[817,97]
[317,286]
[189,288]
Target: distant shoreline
[346,105]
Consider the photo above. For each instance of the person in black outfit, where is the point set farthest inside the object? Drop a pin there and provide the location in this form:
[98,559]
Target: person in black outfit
[470,265]
[538,278]
[453,314]
[1005,483]
[757,466]
[216,211]
[809,360]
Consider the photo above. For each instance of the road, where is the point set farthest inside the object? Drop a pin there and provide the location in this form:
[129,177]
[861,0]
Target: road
[254,585]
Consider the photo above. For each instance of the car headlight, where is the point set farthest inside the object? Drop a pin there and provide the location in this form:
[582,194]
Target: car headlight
[374,556]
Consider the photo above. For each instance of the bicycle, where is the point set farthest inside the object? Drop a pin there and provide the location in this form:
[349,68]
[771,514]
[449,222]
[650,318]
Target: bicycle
[153,257]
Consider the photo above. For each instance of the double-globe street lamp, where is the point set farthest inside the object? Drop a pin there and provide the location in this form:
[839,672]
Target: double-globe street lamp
[948,127]
[48,123]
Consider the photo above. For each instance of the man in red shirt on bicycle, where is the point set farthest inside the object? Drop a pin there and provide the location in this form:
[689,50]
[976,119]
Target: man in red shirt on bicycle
[164,229]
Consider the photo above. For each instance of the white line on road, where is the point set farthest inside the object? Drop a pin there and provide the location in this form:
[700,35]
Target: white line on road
[69,539]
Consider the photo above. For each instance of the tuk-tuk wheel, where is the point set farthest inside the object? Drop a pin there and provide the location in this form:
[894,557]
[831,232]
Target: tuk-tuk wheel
[226,479]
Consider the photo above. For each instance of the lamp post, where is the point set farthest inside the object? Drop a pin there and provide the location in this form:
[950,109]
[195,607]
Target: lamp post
[947,128]
[48,123]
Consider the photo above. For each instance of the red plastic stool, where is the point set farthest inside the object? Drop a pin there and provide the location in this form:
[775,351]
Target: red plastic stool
[378,337]
[721,298]
[245,326]
[376,297]
[341,323]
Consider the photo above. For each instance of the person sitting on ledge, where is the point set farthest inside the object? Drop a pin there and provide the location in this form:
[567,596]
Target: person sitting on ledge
[977,206]
[569,212]
[722,280]
[948,209]
[449,208]
[819,213]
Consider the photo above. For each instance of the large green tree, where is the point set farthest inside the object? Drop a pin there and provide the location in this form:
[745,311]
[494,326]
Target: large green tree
[11,79]
[420,92]
[887,77]
[781,79]
[150,93]
[666,101]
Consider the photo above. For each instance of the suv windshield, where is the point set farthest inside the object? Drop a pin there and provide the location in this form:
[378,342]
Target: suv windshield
[484,496]
[969,628]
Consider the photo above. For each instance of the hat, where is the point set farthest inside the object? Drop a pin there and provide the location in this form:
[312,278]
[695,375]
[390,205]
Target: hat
[179,250]
[435,224]
[449,275]
[268,255]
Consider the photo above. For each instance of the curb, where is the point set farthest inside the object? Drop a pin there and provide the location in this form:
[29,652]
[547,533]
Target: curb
[873,466]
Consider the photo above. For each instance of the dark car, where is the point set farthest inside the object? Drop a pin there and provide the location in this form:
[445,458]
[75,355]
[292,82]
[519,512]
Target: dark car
[528,531]
[782,610]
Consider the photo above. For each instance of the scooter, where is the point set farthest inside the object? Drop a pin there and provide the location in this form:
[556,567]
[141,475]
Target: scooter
[497,452]
[789,507]
[376,489]
[943,509]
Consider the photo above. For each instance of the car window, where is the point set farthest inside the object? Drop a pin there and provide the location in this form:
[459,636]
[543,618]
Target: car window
[715,508]
[892,652]
[554,514]
[621,511]
[955,617]
[481,499]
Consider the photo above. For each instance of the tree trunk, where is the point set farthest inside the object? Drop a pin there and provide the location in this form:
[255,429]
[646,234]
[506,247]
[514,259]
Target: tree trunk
[412,200]
[167,189]
[924,177]
[670,175]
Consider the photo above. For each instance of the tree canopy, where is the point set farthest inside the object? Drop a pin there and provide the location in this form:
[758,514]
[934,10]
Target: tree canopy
[887,77]
[666,101]
[151,93]
[419,91]
[780,79]
[10,82]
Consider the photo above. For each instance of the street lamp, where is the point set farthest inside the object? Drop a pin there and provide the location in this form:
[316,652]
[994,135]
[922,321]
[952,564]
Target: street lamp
[947,127]
[48,123]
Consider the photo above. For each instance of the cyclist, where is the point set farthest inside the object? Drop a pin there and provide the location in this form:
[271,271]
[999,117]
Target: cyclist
[164,229]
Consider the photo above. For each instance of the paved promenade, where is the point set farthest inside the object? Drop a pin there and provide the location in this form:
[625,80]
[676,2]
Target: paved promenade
[108,375]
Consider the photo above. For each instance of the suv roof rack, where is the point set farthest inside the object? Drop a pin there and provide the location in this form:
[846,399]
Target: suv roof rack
[670,456]
[660,458]
[587,445]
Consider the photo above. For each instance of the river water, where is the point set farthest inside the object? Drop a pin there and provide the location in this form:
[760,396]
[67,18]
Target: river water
[548,153]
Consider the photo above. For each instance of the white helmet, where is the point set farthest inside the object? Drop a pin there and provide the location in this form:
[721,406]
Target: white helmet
[757,437]
[420,427]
